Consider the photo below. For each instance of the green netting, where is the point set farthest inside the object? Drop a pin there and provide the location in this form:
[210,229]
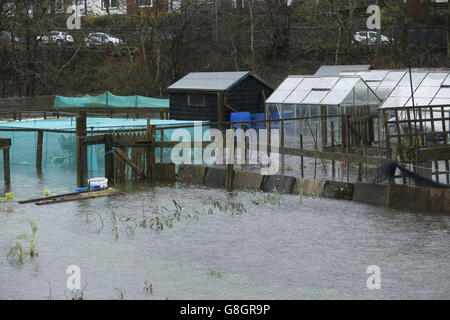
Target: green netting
[109,100]
[59,151]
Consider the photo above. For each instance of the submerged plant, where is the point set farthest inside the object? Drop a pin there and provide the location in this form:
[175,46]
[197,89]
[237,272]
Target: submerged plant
[156,224]
[276,196]
[19,252]
[8,197]
[114,221]
[300,192]
[148,287]
[120,293]
[47,192]
[214,274]
[178,210]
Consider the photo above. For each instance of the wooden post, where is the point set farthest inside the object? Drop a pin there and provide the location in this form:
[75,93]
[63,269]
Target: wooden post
[40,141]
[150,156]
[81,150]
[219,111]
[324,126]
[265,115]
[333,162]
[229,178]
[6,168]
[301,158]
[448,34]
[315,158]
[282,146]
[161,150]
[387,136]
[109,159]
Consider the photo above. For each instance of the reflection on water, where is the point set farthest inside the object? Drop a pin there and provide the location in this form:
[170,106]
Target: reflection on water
[264,247]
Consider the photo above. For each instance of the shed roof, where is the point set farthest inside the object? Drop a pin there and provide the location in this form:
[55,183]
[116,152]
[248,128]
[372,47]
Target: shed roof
[211,81]
[334,70]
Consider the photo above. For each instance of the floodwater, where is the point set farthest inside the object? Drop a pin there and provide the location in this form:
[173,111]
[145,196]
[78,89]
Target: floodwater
[259,247]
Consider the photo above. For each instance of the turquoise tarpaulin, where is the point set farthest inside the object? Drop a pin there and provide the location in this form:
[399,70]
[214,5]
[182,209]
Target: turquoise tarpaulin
[109,100]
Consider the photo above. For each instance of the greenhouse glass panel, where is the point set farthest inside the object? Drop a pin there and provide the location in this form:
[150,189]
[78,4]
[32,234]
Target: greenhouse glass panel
[376,75]
[438,102]
[434,79]
[444,93]
[296,96]
[446,82]
[395,76]
[401,91]
[335,97]
[417,78]
[326,83]
[383,91]
[418,102]
[394,102]
[307,84]
[314,97]
[345,84]
[426,92]
[285,88]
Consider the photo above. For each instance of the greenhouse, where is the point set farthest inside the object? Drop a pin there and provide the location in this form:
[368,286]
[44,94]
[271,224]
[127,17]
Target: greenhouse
[326,98]
[394,86]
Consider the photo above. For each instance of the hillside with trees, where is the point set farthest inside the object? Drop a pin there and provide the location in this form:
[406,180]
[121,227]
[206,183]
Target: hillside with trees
[272,38]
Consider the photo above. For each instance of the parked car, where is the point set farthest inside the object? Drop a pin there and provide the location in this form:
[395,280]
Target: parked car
[58,37]
[369,38]
[7,36]
[100,39]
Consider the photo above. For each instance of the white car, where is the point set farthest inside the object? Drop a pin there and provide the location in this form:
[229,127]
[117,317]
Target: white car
[58,37]
[369,38]
[100,39]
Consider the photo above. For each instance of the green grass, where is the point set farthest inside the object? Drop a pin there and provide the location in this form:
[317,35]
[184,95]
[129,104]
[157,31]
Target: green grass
[300,193]
[214,274]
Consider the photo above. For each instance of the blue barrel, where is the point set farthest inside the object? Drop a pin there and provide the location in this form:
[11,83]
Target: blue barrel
[258,116]
[240,117]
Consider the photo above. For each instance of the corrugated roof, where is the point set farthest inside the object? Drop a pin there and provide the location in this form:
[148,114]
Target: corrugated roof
[211,81]
[334,70]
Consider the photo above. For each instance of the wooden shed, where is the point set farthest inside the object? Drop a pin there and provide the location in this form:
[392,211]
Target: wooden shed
[214,95]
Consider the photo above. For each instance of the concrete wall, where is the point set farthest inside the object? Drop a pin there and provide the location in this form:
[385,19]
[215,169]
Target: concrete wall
[392,196]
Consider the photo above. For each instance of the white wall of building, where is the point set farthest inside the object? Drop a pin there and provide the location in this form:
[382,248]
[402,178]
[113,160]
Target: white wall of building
[99,7]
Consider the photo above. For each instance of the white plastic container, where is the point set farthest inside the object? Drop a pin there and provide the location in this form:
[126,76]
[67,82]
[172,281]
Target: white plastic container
[98,182]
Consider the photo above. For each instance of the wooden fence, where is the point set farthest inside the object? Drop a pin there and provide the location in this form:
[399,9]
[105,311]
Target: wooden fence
[419,136]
